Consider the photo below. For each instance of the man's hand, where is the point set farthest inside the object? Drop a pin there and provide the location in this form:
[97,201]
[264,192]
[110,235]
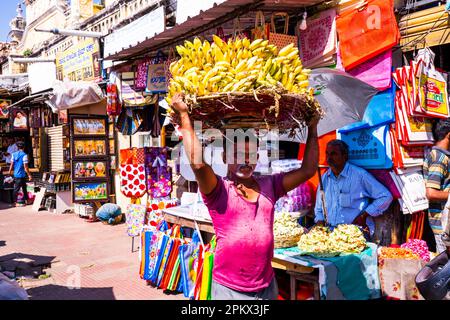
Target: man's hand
[361,220]
[320,223]
[314,122]
[178,103]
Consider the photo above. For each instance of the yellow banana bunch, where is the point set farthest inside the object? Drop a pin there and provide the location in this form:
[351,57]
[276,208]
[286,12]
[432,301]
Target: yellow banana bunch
[238,65]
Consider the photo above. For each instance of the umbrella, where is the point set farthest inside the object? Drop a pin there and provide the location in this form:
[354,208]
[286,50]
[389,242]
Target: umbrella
[343,98]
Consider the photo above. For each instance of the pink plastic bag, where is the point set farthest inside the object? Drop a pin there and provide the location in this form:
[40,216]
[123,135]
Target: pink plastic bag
[376,71]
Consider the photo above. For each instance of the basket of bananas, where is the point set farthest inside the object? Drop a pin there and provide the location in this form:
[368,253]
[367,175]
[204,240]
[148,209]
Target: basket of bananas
[228,84]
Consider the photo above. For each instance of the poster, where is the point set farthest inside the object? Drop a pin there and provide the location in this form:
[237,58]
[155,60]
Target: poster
[89,169]
[89,127]
[90,191]
[4,111]
[89,147]
[19,120]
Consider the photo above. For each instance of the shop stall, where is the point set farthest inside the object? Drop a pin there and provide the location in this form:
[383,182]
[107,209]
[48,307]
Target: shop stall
[390,138]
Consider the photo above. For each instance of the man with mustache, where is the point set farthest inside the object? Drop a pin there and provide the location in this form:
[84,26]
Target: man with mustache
[352,195]
[242,211]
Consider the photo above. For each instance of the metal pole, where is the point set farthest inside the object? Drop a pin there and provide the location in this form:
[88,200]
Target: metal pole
[76,33]
[322,196]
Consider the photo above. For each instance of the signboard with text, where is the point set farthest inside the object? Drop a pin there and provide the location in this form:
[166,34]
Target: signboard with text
[80,62]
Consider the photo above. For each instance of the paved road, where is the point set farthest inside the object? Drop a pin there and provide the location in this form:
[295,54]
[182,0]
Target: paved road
[93,256]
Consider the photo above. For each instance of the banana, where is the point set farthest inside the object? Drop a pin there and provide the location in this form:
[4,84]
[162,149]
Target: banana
[219,43]
[251,62]
[293,54]
[286,50]
[246,43]
[255,44]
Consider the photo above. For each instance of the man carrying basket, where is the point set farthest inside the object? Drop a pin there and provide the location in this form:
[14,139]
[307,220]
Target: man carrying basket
[242,210]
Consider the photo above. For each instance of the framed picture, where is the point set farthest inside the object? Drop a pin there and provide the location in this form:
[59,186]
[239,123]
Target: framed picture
[52,178]
[86,126]
[111,130]
[19,120]
[45,176]
[112,147]
[113,164]
[89,169]
[89,147]
[4,111]
[90,191]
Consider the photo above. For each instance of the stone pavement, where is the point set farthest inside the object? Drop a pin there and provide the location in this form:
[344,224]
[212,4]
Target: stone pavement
[93,256]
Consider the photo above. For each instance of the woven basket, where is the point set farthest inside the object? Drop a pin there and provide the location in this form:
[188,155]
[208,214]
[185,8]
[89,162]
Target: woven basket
[286,242]
[263,110]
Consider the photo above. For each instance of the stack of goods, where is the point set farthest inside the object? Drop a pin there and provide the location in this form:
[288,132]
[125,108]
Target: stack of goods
[287,231]
[397,253]
[397,268]
[418,247]
[239,79]
[321,242]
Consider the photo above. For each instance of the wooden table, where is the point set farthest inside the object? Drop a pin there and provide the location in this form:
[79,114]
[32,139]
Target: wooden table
[182,216]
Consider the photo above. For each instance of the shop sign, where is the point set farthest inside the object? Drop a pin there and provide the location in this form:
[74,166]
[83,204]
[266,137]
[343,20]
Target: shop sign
[135,32]
[189,8]
[80,62]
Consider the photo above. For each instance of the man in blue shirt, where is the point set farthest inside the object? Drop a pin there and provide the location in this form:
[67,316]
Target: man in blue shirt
[352,195]
[19,164]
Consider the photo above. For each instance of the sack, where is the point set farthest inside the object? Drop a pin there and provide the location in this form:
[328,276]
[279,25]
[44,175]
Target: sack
[280,40]
[397,277]
[135,216]
[113,105]
[141,74]
[367,31]
[156,75]
[318,42]
[377,71]
[159,174]
[261,29]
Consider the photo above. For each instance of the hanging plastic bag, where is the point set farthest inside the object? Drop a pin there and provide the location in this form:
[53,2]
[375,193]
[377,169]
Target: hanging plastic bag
[135,217]
[153,242]
[113,104]
[208,263]
[141,74]
[159,174]
[188,259]
[314,49]
[156,75]
[367,31]
[433,94]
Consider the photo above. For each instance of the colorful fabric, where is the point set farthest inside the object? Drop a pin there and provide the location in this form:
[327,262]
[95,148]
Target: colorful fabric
[436,176]
[159,174]
[132,180]
[244,233]
[155,208]
[351,277]
[397,277]
[189,260]
[135,216]
[350,194]
[153,242]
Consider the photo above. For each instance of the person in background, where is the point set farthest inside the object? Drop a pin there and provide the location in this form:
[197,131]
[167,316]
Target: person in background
[437,179]
[242,211]
[19,166]
[352,195]
[12,147]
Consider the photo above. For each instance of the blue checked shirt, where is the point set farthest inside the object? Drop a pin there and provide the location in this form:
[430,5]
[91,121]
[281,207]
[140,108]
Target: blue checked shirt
[348,195]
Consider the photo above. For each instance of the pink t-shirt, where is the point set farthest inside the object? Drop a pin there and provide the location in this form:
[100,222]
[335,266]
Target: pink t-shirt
[244,232]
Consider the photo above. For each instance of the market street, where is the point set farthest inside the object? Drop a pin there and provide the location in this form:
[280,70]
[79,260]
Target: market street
[108,269]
